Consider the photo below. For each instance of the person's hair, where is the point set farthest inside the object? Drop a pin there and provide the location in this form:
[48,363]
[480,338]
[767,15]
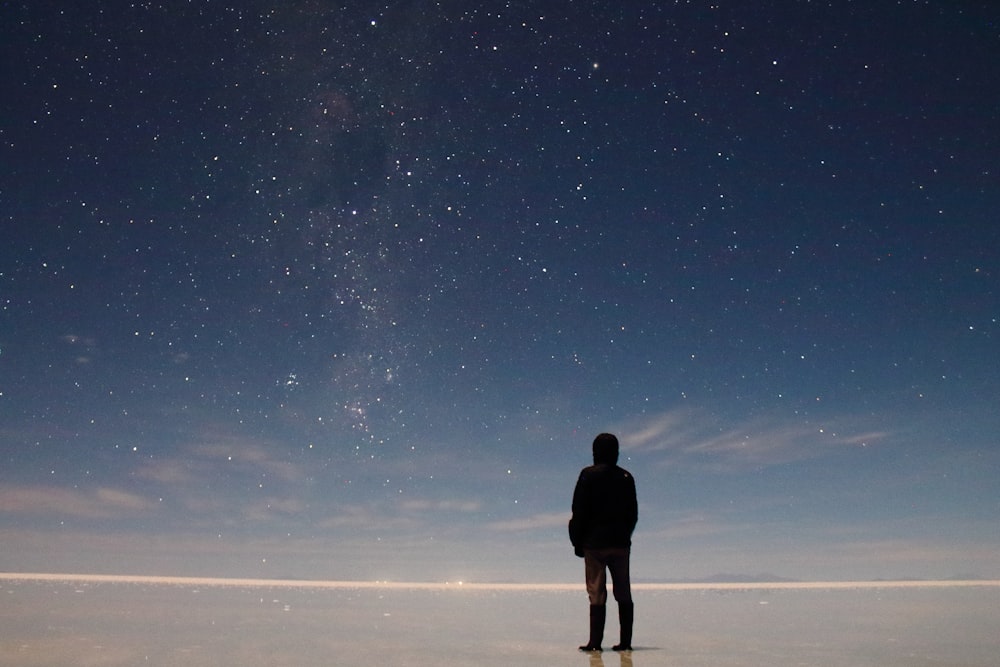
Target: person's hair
[606,449]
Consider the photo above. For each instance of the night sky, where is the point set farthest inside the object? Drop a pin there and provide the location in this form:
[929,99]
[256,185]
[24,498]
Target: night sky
[345,290]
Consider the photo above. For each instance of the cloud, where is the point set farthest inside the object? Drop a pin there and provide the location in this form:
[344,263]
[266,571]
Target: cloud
[100,503]
[697,439]
[653,431]
[116,499]
[219,477]
[417,505]
[689,525]
[532,522]
[273,507]
[86,347]
[418,518]
[212,456]
[366,518]
[73,339]
[246,455]
[171,472]
[865,439]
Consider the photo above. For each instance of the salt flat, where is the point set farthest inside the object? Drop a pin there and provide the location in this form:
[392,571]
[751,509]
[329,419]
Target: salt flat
[113,620]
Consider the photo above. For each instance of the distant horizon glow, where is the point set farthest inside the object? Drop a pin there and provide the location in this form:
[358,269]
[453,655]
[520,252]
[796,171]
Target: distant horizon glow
[483,586]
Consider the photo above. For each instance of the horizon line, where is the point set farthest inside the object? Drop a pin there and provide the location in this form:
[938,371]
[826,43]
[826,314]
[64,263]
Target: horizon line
[478,585]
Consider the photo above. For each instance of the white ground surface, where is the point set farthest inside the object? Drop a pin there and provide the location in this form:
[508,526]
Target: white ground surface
[62,621]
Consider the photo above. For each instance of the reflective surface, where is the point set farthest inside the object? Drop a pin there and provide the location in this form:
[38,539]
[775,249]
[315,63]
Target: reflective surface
[47,623]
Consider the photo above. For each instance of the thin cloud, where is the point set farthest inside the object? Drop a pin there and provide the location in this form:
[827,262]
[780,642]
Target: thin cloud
[653,431]
[212,454]
[86,347]
[73,339]
[271,508]
[418,505]
[366,518]
[172,472]
[117,499]
[865,439]
[247,455]
[533,522]
[100,503]
[692,438]
[690,525]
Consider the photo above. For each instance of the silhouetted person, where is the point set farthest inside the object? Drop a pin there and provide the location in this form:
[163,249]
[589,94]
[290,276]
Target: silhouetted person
[605,511]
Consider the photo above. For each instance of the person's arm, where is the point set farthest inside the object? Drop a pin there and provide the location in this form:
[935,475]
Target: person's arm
[633,505]
[579,520]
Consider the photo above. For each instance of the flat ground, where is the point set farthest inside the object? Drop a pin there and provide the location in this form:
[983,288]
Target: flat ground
[189,625]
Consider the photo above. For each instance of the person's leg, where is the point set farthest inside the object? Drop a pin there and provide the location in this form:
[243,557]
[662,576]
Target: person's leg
[618,564]
[595,571]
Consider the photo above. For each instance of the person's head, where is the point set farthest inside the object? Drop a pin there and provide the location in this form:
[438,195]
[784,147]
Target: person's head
[606,449]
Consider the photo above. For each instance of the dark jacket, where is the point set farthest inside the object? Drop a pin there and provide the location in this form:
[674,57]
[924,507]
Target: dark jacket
[605,509]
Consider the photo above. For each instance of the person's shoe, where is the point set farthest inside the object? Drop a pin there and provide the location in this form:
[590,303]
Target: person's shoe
[626,612]
[597,614]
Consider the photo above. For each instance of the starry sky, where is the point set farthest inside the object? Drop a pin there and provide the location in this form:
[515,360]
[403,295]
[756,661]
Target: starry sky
[345,290]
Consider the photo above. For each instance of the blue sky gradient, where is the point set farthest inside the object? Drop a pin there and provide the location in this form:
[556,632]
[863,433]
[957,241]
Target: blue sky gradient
[295,290]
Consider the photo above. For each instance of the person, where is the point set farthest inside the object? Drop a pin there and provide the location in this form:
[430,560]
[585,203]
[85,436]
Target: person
[605,511]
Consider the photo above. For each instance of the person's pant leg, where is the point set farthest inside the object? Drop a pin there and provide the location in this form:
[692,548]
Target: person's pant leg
[595,571]
[617,562]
